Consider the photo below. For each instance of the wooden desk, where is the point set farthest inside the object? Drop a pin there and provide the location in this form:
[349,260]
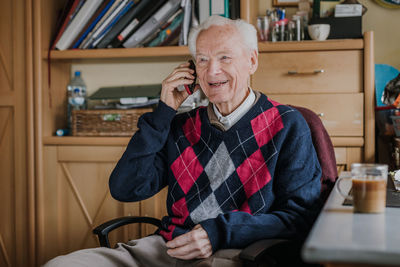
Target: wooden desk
[343,238]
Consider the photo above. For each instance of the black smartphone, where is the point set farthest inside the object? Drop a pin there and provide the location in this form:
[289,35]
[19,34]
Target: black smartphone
[190,88]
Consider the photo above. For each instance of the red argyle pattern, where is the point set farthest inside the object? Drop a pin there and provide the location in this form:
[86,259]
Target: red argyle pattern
[266,125]
[186,169]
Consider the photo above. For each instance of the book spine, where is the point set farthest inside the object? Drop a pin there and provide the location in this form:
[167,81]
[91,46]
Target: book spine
[187,17]
[105,23]
[65,23]
[204,10]
[153,23]
[147,9]
[121,24]
[112,23]
[219,7]
[93,24]
[164,34]
[77,24]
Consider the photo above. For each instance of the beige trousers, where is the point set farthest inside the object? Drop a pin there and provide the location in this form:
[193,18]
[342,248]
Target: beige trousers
[148,252]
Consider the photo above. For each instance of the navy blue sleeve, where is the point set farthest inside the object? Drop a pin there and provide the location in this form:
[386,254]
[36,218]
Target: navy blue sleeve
[296,191]
[141,171]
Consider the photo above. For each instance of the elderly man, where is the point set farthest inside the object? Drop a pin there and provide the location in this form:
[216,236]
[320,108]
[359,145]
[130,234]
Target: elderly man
[242,169]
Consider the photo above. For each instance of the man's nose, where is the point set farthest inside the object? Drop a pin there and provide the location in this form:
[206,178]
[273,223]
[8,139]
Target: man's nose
[214,67]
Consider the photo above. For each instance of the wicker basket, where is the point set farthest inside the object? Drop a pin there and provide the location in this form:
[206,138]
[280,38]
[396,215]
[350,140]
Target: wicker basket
[106,122]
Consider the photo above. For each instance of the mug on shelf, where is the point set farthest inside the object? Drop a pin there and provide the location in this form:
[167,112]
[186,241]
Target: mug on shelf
[319,32]
[368,191]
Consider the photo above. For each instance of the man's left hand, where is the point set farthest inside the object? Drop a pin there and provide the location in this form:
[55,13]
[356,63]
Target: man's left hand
[192,245]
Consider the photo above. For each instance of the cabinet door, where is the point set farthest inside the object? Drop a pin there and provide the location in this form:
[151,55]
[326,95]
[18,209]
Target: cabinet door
[16,217]
[77,199]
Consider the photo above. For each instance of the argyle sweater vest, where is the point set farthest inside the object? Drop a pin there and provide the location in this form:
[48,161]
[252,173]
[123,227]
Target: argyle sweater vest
[259,179]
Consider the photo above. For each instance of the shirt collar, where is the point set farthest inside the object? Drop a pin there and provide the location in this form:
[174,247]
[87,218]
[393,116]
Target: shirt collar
[229,120]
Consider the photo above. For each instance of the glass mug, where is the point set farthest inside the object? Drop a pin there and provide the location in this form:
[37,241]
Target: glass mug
[368,187]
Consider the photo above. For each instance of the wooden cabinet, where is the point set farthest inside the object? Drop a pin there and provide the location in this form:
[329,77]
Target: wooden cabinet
[333,78]
[77,199]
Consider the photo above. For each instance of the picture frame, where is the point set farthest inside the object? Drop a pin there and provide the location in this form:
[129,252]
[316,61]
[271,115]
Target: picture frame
[286,3]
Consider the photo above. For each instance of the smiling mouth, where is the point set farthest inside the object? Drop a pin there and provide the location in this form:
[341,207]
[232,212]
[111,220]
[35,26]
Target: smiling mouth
[218,83]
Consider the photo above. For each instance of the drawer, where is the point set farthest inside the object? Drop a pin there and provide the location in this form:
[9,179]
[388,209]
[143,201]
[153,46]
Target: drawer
[342,72]
[341,114]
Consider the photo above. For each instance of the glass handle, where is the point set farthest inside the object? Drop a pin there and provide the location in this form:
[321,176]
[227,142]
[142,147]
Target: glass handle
[337,186]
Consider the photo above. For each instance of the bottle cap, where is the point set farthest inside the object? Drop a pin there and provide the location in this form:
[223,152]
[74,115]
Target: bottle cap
[78,73]
[76,90]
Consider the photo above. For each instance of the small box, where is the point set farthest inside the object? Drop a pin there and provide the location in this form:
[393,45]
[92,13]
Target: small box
[341,28]
[106,122]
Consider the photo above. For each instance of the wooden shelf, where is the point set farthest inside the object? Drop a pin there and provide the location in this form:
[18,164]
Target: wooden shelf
[173,51]
[85,141]
[308,45]
[115,53]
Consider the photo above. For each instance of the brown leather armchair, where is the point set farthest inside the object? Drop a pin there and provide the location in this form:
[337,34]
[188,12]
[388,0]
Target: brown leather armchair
[268,252]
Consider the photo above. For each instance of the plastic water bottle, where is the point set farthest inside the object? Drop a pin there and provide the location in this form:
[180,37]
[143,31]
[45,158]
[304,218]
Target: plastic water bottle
[76,94]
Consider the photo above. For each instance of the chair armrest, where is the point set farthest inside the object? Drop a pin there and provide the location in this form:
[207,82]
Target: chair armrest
[102,230]
[262,249]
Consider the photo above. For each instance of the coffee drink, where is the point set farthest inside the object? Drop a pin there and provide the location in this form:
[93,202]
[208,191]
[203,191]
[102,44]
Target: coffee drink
[369,194]
[368,187]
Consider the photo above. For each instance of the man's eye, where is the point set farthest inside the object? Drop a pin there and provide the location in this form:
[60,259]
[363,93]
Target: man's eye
[201,60]
[225,58]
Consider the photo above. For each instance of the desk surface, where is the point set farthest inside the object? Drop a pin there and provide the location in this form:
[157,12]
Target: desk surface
[341,236]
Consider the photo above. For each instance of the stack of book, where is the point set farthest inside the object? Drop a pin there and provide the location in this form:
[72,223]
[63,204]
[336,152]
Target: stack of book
[87,24]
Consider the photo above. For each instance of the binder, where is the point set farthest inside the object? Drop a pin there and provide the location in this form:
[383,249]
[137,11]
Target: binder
[138,14]
[234,9]
[111,24]
[153,23]
[79,21]
[219,7]
[204,10]
[187,18]
[92,23]
[171,28]
[96,33]
[64,19]
[101,21]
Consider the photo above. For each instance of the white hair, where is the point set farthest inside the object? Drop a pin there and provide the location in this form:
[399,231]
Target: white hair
[246,30]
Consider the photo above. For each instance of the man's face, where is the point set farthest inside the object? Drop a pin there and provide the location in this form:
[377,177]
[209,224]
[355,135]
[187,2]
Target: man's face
[224,66]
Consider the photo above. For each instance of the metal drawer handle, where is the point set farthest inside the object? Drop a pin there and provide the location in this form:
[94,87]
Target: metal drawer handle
[294,72]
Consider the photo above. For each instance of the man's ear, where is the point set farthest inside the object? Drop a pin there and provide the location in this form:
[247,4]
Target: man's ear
[253,61]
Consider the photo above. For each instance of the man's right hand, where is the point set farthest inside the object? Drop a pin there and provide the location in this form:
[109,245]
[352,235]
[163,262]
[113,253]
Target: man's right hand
[180,76]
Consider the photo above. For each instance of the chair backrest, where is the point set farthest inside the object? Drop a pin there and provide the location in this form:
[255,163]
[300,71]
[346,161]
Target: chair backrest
[324,148]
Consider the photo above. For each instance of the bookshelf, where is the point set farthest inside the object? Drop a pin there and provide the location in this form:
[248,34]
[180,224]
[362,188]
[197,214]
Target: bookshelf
[52,99]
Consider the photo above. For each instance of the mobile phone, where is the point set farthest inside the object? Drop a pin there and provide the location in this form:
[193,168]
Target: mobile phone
[190,87]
